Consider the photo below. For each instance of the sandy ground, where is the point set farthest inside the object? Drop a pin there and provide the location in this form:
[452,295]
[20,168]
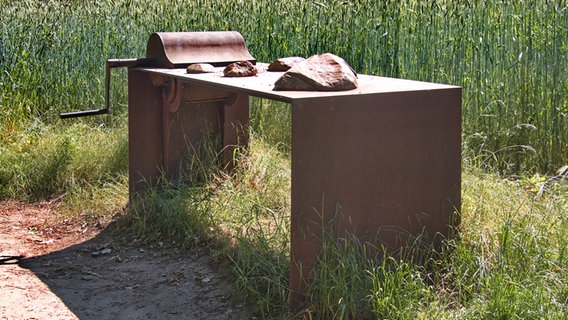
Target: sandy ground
[60,269]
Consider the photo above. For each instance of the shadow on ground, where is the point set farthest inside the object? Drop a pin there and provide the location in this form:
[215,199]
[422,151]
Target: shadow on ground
[106,278]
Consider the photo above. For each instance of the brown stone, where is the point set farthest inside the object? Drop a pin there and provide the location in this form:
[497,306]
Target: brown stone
[240,69]
[200,68]
[284,64]
[324,72]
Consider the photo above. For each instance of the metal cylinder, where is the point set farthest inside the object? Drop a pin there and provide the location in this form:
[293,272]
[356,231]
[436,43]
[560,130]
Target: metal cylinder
[180,49]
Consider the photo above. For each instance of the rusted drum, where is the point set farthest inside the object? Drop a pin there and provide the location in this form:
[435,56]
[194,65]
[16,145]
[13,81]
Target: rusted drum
[180,49]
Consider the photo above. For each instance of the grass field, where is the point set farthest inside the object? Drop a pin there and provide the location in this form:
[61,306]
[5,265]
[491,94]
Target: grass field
[510,57]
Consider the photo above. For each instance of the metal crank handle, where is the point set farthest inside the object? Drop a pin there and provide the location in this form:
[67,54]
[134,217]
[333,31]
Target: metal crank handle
[111,63]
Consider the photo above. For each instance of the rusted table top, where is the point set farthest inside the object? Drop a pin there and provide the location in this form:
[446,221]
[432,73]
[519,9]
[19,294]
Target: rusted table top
[262,85]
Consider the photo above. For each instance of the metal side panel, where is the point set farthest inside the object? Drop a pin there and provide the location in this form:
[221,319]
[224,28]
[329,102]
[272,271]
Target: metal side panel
[384,167]
[145,143]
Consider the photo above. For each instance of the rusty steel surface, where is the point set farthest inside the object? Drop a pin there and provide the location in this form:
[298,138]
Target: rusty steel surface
[382,162]
[163,136]
[179,49]
[262,85]
[385,168]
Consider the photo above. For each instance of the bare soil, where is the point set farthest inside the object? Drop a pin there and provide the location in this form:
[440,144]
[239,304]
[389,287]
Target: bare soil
[56,268]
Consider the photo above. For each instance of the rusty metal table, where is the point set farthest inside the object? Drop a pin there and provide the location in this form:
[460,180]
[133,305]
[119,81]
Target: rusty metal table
[388,154]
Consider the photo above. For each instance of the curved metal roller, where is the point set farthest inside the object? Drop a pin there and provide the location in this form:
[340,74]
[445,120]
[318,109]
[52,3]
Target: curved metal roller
[180,49]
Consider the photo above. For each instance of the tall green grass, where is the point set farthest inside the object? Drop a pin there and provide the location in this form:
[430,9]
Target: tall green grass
[86,165]
[510,57]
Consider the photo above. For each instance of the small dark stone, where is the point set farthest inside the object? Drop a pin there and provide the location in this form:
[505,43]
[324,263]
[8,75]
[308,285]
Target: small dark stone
[240,69]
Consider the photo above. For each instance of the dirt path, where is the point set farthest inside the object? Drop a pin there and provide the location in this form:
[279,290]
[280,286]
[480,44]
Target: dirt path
[53,269]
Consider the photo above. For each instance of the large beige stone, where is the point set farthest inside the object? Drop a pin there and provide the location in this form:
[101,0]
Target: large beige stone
[323,72]
[200,68]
